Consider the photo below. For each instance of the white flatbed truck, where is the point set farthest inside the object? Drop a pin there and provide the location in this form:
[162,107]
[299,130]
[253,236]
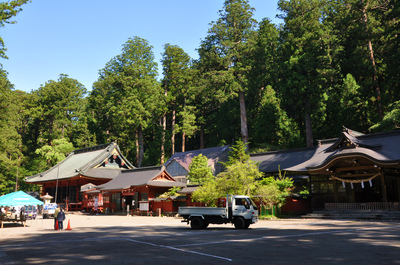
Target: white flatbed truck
[238,209]
[49,210]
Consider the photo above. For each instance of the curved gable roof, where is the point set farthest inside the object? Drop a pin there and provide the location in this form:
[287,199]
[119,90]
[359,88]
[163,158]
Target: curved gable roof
[381,148]
[81,162]
[349,140]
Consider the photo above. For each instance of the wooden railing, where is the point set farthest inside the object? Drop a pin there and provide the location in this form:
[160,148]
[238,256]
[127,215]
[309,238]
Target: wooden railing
[75,206]
[392,206]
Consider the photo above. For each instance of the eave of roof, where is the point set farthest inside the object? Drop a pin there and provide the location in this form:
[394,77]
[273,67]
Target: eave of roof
[188,189]
[140,177]
[274,161]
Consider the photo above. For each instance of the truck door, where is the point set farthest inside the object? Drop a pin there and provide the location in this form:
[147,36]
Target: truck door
[243,207]
[240,206]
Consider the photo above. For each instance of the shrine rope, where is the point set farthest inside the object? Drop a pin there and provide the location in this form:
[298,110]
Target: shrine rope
[355,180]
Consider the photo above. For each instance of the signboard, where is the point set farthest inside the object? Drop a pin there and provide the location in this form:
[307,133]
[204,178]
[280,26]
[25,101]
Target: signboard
[96,204]
[144,206]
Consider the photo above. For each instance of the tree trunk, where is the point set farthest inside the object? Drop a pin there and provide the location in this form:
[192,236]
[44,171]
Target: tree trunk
[173,129]
[183,127]
[137,148]
[141,146]
[49,142]
[164,129]
[309,134]
[372,60]
[16,177]
[202,136]
[164,121]
[243,120]
[183,141]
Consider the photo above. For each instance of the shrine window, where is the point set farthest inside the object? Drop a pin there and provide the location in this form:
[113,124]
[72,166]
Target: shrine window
[145,196]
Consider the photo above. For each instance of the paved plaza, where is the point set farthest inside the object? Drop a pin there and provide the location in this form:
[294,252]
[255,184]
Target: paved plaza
[100,239]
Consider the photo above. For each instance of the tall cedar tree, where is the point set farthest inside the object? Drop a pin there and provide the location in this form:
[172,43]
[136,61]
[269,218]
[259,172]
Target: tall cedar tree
[305,61]
[359,27]
[129,96]
[59,107]
[392,71]
[265,112]
[178,94]
[229,44]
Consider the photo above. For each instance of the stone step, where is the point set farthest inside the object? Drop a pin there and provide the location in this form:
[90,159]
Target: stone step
[359,214]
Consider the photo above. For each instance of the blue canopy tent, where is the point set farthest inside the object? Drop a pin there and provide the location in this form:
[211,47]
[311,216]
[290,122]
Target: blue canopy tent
[18,198]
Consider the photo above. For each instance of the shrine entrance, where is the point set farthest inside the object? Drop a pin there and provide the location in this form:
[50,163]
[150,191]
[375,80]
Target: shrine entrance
[354,180]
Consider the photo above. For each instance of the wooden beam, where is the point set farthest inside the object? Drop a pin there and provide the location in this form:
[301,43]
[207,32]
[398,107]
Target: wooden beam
[340,169]
[357,175]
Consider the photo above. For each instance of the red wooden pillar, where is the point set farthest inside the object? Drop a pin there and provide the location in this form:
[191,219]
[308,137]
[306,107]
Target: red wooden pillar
[77,193]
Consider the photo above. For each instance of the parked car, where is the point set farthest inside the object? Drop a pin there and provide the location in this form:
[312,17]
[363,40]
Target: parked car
[9,214]
[30,212]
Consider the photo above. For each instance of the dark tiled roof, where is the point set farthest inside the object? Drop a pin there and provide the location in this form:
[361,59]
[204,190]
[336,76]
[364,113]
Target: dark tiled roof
[106,173]
[272,162]
[185,158]
[382,148]
[140,177]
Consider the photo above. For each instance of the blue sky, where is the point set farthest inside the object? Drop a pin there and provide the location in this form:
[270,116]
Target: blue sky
[78,37]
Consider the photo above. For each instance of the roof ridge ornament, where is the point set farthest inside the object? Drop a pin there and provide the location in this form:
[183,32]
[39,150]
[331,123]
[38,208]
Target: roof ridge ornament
[352,132]
[347,139]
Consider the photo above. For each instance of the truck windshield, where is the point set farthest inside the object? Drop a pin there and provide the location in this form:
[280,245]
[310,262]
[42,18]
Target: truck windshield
[50,207]
[252,203]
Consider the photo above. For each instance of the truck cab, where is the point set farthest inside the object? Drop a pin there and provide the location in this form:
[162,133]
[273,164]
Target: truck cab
[242,211]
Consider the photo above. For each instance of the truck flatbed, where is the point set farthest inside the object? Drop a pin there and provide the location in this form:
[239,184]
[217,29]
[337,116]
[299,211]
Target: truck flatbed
[202,211]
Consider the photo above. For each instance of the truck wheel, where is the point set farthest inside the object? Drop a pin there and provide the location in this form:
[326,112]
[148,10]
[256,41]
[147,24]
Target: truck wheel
[44,216]
[196,223]
[239,223]
[205,224]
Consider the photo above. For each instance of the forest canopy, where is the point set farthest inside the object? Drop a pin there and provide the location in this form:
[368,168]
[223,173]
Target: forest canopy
[329,64]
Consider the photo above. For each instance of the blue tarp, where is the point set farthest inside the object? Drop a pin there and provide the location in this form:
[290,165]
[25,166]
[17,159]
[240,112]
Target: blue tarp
[18,198]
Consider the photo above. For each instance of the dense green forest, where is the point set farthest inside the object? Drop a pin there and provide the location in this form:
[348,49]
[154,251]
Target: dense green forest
[331,63]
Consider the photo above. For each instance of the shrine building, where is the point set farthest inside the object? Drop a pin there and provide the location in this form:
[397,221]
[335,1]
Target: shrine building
[354,171]
[95,165]
[138,190]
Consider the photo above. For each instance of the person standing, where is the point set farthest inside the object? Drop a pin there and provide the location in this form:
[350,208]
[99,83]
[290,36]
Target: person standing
[56,211]
[60,219]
